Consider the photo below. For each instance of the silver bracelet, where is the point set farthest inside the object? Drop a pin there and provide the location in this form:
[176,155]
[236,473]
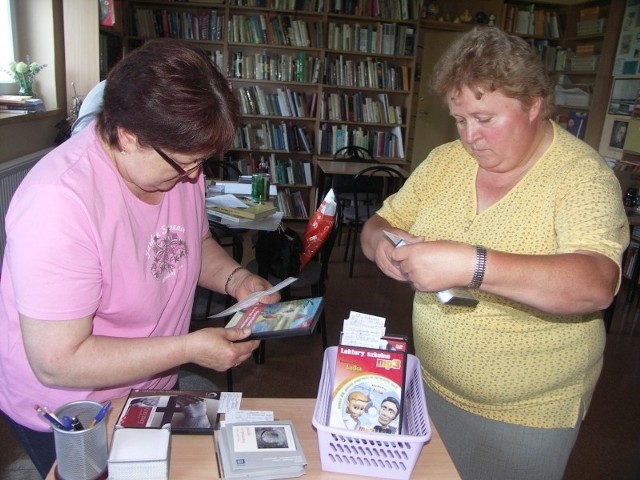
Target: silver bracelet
[233,272]
[481,266]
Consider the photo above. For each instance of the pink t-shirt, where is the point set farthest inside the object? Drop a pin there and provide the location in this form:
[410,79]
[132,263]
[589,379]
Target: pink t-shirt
[79,242]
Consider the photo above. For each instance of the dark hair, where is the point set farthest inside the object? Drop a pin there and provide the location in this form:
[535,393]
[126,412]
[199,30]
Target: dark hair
[394,401]
[486,59]
[170,95]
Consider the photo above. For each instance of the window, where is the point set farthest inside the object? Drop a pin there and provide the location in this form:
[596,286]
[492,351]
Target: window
[7,53]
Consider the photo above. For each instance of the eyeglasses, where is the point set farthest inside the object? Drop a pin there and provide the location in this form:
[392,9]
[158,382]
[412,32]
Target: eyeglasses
[181,171]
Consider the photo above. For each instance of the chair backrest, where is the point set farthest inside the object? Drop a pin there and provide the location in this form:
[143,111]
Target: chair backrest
[372,185]
[222,170]
[352,153]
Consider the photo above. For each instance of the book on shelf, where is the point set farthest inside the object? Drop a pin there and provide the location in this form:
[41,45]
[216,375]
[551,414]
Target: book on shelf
[368,389]
[187,411]
[283,319]
[259,450]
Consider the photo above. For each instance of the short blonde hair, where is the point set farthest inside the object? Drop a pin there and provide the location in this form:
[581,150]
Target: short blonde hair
[486,59]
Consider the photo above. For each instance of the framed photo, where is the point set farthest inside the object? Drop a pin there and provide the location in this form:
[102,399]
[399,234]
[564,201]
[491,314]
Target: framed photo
[614,132]
[618,134]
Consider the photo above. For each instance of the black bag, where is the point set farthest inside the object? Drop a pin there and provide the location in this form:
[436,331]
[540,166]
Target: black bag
[278,253]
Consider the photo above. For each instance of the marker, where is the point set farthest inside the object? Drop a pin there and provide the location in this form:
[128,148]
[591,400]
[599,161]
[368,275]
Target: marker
[103,411]
[76,426]
[67,422]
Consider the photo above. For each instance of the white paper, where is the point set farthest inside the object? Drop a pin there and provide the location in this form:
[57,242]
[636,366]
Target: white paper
[229,401]
[254,298]
[248,416]
[226,200]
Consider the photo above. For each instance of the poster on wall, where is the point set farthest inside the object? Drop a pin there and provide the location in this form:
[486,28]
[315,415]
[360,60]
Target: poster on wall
[627,60]
[623,96]
[614,133]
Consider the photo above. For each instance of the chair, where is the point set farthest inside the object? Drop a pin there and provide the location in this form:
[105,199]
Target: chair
[342,184]
[221,169]
[311,278]
[370,186]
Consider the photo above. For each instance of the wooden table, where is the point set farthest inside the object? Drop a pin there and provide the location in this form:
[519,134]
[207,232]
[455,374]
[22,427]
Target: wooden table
[328,168]
[193,458]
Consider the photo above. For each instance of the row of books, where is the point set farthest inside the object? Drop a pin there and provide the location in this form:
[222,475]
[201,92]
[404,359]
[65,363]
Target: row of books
[289,171]
[296,5]
[284,67]
[291,203]
[205,24]
[359,108]
[369,72]
[383,38]
[278,29]
[530,19]
[380,143]
[270,136]
[389,9]
[281,102]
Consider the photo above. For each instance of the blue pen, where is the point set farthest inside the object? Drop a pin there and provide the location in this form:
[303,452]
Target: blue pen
[67,422]
[103,411]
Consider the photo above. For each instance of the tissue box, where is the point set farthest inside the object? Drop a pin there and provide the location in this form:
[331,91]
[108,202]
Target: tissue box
[140,453]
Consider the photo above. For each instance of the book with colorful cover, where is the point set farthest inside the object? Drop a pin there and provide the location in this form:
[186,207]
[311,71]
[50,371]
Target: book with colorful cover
[283,319]
[368,390]
[188,411]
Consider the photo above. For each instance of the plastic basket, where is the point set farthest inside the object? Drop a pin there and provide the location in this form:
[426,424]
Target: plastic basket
[372,454]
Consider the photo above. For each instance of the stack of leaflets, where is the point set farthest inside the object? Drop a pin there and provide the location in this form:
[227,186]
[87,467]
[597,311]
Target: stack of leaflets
[259,450]
[368,388]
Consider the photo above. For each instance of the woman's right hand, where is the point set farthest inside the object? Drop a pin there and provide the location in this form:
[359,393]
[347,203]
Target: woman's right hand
[219,348]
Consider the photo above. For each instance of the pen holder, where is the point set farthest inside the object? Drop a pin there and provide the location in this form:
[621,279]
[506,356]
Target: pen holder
[82,454]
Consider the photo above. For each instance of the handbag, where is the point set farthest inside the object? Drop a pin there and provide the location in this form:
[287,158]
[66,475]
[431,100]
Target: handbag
[278,253]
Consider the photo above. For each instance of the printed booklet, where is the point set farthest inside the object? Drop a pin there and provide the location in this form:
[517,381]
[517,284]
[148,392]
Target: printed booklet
[283,319]
[368,389]
[259,450]
[188,411]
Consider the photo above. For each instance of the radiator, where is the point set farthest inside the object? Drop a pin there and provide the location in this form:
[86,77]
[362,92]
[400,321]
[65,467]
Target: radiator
[11,174]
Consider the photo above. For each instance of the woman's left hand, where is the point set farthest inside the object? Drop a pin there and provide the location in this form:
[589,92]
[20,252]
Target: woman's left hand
[435,266]
[248,283]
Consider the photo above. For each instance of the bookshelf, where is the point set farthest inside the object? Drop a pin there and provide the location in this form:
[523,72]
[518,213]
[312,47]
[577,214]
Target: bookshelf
[587,66]
[311,76]
[314,74]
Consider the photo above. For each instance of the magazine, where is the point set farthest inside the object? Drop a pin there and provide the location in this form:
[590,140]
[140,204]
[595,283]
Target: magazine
[283,319]
[368,389]
[188,411]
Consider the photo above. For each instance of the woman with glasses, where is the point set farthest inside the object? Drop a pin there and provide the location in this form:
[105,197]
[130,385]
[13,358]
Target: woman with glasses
[107,239]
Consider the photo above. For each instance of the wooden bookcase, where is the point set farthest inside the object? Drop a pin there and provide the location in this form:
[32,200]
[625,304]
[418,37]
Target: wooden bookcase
[302,94]
[596,79]
[311,76]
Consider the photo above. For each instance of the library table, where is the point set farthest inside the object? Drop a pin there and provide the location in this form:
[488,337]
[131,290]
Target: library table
[193,457]
[328,168]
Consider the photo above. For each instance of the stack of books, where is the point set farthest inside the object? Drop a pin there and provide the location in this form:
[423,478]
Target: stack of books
[259,450]
[249,210]
[20,104]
